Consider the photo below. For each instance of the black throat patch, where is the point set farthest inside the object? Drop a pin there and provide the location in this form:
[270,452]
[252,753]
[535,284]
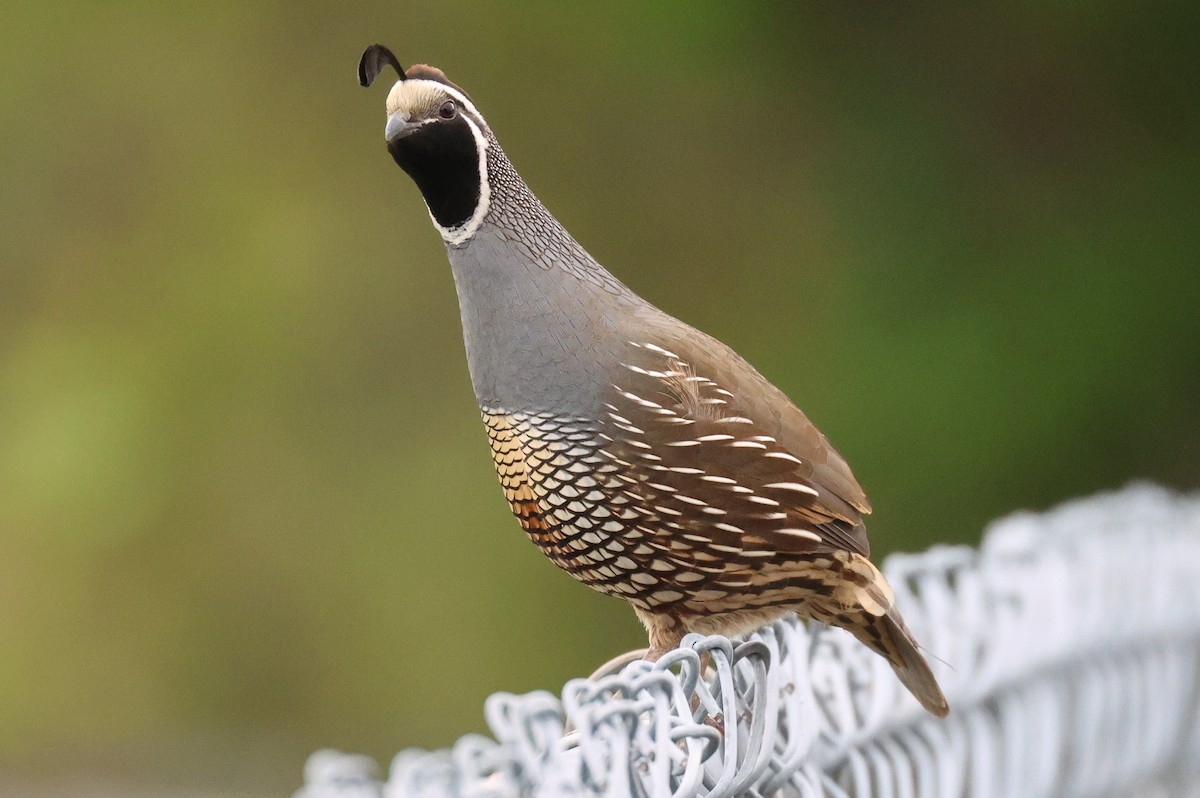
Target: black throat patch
[443,160]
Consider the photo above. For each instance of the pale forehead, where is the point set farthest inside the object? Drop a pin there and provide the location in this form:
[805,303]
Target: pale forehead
[420,97]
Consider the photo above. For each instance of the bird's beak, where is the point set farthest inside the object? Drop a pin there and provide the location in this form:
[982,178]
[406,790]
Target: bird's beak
[399,126]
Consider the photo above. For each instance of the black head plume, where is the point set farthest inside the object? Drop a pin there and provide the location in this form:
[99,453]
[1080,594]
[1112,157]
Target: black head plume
[373,60]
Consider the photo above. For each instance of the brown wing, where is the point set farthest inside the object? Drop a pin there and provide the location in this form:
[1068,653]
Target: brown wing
[756,397]
[717,466]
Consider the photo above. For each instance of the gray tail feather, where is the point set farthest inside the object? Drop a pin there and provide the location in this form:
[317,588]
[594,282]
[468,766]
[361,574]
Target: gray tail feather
[888,636]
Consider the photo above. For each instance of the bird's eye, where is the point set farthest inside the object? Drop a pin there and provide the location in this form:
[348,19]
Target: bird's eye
[448,110]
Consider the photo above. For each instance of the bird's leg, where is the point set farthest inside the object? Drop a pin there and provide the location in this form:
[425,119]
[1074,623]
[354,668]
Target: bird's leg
[716,721]
[666,631]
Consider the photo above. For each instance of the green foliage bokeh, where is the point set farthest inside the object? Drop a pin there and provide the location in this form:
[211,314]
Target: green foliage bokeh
[246,508]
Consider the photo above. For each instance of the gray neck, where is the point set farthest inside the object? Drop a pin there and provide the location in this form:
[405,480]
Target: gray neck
[540,316]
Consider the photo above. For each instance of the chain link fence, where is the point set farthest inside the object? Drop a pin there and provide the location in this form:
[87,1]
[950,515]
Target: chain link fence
[1068,644]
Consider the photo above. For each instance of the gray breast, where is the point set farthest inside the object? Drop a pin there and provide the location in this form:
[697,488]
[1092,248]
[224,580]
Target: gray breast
[539,334]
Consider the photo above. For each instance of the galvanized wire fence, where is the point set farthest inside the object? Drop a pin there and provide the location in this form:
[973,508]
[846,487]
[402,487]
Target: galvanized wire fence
[1068,645]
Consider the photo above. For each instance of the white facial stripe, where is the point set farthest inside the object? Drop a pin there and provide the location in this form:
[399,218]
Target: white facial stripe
[458,96]
[418,93]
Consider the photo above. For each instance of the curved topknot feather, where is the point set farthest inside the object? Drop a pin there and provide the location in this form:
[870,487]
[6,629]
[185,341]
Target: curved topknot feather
[373,60]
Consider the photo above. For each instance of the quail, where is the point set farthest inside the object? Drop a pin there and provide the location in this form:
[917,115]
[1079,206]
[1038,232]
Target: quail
[645,458]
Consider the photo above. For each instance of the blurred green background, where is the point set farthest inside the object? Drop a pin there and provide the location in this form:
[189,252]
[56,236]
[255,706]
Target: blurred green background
[246,506]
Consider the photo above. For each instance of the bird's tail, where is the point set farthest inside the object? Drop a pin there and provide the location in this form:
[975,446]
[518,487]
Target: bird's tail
[887,636]
[857,597]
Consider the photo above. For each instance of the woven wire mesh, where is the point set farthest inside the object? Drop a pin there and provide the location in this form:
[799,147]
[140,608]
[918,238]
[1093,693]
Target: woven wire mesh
[1068,644]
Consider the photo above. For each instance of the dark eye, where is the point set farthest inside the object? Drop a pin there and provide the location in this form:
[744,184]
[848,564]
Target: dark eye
[448,110]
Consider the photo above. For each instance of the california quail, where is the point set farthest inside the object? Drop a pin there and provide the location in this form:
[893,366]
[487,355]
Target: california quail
[645,458]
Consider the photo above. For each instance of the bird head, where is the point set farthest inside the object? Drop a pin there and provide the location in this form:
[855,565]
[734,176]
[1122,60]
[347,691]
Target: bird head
[437,136]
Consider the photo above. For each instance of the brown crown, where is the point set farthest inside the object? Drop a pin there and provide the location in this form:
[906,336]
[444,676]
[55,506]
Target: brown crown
[426,72]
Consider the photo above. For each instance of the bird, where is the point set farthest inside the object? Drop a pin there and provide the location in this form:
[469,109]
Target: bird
[642,456]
